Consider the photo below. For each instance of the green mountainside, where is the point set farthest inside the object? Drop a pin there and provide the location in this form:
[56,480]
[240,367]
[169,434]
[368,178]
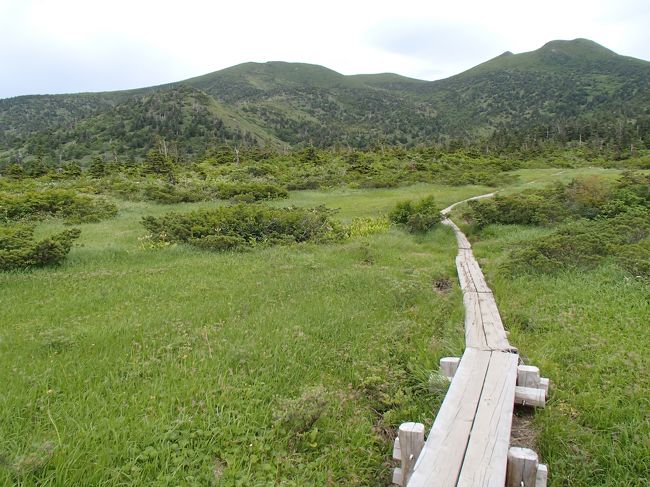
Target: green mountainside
[566,90]
[562,80]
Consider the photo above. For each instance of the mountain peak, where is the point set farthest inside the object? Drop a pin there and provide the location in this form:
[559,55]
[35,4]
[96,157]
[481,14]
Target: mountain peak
[577,48]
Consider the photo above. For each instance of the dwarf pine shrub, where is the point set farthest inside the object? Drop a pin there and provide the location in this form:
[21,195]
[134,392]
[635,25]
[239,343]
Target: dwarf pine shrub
[244,225]
[417,216]
[18,250]
[63,203]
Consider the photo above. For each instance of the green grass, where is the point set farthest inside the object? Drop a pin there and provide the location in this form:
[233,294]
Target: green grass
[128,366]
[539,178]
[587,331]
[353,203]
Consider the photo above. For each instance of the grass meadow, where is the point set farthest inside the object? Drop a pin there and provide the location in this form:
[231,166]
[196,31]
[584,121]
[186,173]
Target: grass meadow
[133,365]
[588,331]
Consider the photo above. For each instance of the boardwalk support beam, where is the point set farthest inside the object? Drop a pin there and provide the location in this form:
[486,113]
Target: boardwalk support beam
[407,448]
[524,469]
[448,366]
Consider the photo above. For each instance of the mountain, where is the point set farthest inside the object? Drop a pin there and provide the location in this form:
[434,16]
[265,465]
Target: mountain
[561,80]
[565,85]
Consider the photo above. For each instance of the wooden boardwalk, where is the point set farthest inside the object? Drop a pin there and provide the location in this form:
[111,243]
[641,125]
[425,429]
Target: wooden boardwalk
[469,443]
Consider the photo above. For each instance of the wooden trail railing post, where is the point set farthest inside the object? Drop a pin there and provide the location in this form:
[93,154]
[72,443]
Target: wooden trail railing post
[408,445]
[524,469]
[448,366]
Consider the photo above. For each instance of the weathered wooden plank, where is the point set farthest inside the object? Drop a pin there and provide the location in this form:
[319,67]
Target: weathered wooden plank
[495,335]
[483,326]
[477,276]
[469,274]
[466,253]
[461,239]
[485,460]
[464,275]
[474,334]
[442,456]
[447,210]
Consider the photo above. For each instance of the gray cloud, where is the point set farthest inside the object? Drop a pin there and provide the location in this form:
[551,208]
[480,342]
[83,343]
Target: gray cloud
[33,68]
[435,42]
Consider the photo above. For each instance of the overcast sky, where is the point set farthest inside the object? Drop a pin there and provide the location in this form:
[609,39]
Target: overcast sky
[62,46]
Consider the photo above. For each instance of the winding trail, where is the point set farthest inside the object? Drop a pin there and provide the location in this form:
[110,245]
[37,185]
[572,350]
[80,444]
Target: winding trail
[483,325]
[468,444]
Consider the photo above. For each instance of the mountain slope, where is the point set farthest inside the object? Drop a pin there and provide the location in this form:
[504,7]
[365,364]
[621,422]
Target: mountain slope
[564,82]
[561,80]
[306,103]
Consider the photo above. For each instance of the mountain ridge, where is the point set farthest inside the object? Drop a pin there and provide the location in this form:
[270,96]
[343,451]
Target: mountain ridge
[290,104]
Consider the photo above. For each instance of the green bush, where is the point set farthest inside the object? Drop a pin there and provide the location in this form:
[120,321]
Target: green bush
[67,204]
[588,198]
[250,191]
[191,191]
[417,216]
[527,208]
[18,250]
[170,194]
[244,225]
[586,243]
[635,258]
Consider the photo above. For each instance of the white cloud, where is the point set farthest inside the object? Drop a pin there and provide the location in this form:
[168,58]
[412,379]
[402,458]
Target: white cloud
[75,45]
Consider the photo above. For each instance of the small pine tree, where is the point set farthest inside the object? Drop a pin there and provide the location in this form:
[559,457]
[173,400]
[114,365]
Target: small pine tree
[97,169]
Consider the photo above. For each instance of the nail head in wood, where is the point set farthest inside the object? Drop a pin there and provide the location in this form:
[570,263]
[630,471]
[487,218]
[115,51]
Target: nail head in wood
[529,396]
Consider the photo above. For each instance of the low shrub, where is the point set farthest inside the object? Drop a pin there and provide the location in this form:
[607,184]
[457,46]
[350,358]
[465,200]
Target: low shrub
[192,191]
[417,216]
[635,258]
[588,198]
[170,194]
[250,191]
[67,204]
[244,225]
[585,243]
[18,250]
[526,208]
